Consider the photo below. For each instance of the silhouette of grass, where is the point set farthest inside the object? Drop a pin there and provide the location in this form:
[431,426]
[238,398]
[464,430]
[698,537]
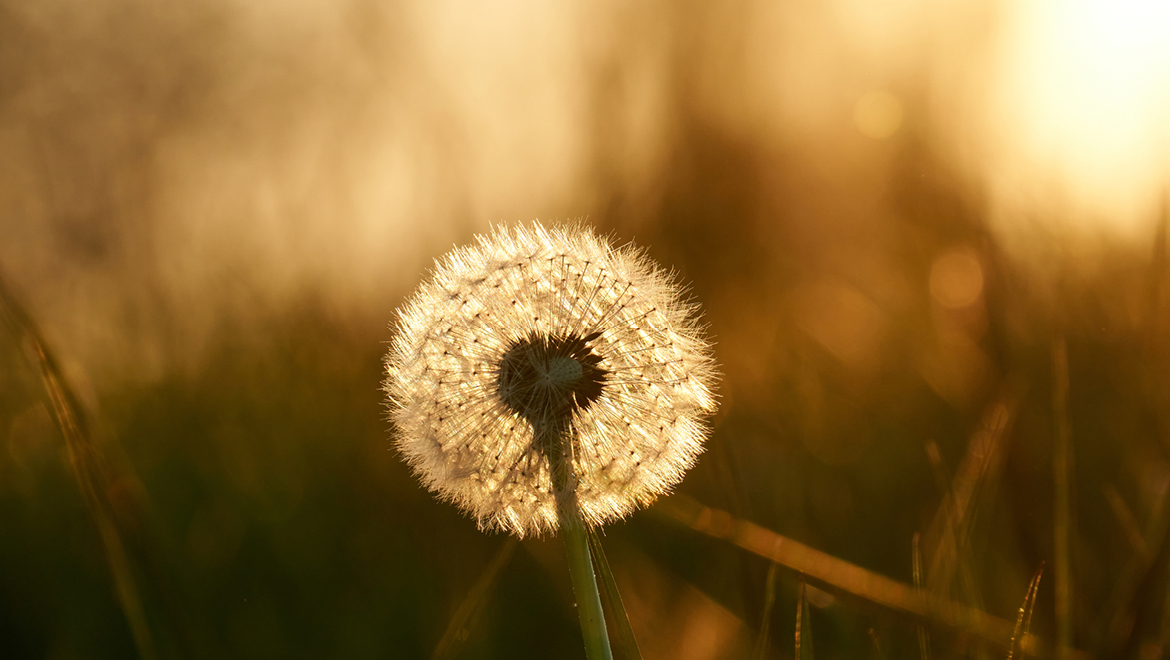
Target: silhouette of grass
[1024,620]
[98,481]
[842,578]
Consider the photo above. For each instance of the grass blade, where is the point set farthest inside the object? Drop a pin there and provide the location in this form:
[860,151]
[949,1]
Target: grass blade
[948,537]
[761,649]
[464,619]
[844,579]
[1062,467]
[916,569]
[1024,620]
[804,642]
[91,471]
[1122,601]
[1127,522]
[799,617]
[624,640]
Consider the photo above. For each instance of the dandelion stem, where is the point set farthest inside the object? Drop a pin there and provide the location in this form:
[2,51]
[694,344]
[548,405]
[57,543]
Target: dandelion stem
[557,437]
[584,580]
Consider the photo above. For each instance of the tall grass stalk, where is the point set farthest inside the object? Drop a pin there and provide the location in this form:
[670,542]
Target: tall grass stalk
[465,616]
[916,569]
[90,471]
[611,601]
[803,629]
[1062,466]
[840,577]
[1024,619]
[761,650]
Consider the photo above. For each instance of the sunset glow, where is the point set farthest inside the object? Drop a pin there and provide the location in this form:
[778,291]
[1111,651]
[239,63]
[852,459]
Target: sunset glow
[1081,106]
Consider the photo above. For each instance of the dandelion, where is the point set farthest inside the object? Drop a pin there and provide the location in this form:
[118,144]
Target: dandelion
[541,379]
[539,364]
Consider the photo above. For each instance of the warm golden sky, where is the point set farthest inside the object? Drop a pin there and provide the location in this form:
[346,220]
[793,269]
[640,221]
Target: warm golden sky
[162,154]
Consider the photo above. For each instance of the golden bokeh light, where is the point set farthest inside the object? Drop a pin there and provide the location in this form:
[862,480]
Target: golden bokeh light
[956,279]
[878,114]
[1080,112]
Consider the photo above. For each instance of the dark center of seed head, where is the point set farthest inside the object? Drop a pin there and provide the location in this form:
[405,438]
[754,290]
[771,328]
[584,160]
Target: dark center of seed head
[544,379]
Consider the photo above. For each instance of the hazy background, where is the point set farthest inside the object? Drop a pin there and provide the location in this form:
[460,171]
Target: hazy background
[891,212]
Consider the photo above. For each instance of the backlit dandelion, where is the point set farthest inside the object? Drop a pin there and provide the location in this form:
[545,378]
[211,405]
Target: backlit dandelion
[539,362]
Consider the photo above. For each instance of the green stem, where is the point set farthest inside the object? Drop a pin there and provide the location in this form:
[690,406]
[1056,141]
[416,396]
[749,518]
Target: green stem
[584,580]
[557,437]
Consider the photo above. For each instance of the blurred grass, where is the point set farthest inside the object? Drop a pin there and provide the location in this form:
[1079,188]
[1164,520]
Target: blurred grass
[1024,620]
[109,494]
[292,533]
[291,530]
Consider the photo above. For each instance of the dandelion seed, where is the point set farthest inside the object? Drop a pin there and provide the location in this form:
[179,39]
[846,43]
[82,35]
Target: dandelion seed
[540,361]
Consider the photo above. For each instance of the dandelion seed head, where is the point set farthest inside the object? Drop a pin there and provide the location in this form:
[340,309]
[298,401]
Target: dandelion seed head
[531,335]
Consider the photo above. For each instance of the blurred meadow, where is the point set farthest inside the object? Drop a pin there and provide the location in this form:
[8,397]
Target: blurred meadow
[929,239]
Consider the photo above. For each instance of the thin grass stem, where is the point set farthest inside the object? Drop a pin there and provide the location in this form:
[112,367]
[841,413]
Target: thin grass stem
[848,580]
[465,617]
[799,616]
[90,471]
[761,650]
[916,566]
[1062,518]
[623,633]
[1024,620]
